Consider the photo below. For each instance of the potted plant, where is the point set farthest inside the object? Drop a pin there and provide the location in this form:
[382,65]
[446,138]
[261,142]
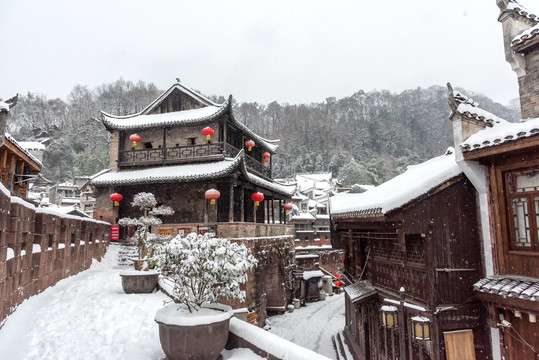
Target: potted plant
[144,281]
[203,270]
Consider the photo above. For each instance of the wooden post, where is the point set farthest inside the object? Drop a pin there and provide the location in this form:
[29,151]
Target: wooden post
[242,204]
[403,328]
[231,203]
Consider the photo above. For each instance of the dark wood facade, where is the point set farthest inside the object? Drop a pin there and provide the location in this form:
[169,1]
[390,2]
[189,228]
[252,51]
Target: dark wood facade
[431,249]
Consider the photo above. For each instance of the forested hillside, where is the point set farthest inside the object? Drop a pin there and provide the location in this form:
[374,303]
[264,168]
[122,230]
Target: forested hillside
[367,138]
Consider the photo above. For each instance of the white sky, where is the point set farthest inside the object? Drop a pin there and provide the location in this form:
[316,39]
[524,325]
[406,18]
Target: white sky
[289,51]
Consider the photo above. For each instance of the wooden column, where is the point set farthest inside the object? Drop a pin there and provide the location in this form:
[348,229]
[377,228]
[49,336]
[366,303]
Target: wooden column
[165,144]
[231,203]
[273,208]
[280,212]
[242,205]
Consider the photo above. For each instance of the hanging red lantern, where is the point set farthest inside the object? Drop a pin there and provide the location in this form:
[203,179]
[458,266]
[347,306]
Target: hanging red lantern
[208,131]
[265,157]
[250,144]
[257,197]
[212,195]
[116,198]
[135,138]
[339,283]
[287,207]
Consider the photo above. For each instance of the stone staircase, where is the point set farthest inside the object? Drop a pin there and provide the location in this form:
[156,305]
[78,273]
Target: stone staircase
[126,252]
[341,349]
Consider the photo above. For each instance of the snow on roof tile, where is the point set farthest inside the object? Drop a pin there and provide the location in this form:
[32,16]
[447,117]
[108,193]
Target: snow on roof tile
[359,291]
[32,145]
[4,106]
[416,181]
[270,185]
[522,11]
[501,132]
[525,36]
[188,172]
[303,216]
[473,111]
[143,121]
[26,152]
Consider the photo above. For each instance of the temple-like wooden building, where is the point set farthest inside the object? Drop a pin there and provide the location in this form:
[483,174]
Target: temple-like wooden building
[174,159]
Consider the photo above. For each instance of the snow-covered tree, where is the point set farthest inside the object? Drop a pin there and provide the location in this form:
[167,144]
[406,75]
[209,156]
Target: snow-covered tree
[145,240]
[204,268]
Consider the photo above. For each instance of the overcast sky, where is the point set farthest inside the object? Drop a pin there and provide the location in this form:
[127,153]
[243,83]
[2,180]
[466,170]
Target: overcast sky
[291,51]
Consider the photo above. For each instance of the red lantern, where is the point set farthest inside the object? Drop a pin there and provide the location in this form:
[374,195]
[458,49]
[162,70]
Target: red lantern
[338,283]
[250,144]
[208,131]
[287,207]
[135,138]
[116,198]
[257,197]
[212,195]
[265,157]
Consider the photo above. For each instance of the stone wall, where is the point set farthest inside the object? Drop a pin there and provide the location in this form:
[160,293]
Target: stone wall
[528,85]
[39,247]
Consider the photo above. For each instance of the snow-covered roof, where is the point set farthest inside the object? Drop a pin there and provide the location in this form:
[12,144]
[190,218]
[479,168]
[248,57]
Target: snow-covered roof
[312,274]
[471,110]
[303,216]
[209,112]
[4,106]
[416,181]
[501,132]
[522,11]
[360,291]
[187,172]
[146,121]
[32,145]
[525,36]
[26,152]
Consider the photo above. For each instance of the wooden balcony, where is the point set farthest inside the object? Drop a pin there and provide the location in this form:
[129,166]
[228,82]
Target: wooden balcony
[170,155]
[187,154]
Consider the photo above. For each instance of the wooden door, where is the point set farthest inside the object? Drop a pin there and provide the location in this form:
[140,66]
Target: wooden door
[459,345]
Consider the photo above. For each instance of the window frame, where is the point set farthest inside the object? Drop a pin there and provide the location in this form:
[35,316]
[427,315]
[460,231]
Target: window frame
[531,198]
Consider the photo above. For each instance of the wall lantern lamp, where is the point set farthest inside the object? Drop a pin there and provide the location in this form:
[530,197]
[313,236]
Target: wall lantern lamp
[420,327]
[389,316]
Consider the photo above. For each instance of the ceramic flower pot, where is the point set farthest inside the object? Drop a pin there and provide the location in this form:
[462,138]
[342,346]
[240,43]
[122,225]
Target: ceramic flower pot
[201,335]
[139,282]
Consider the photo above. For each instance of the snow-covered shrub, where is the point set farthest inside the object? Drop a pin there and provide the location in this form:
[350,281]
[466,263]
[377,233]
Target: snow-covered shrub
[204,268]
[145,240]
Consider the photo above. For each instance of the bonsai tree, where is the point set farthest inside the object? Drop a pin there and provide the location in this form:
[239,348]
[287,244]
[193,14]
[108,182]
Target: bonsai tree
[144,239]
[204,269]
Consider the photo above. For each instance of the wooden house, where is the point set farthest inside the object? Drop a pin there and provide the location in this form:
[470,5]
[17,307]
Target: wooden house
[17,165]
[412,253]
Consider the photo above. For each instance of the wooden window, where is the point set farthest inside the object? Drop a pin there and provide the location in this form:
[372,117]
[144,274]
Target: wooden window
[192,140]
[523,208]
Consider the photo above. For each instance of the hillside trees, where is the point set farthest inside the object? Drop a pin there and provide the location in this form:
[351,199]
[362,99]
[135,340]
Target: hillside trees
[366,137]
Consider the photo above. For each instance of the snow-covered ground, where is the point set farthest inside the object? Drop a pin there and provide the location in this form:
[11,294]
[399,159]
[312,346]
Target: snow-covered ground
[313,325]
[88,316]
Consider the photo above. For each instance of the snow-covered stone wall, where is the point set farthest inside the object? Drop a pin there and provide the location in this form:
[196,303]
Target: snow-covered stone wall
[39,247]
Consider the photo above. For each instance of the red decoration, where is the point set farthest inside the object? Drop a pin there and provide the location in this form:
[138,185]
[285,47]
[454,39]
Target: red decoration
[287,207]
[250,144]
[265,157]
[338,283]
[116,198]
[212,195]
[257,197]
[135,138]
[208,131]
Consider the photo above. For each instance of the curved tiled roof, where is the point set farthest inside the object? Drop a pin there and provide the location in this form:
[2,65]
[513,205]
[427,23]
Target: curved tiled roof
[511,286]
[501,132]
[416,181]
[522,11]
[26,152]
[178,173]
[525,36]
[142,121]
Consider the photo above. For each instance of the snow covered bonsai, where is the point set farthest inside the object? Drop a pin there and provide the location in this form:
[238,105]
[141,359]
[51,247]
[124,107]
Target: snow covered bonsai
[145,240]
[204,269]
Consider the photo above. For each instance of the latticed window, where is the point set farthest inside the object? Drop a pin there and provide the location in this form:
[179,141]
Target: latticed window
[523,204]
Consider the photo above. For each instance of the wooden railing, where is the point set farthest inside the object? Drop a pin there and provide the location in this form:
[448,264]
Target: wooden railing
[251,163]
[393,275]
[176,154]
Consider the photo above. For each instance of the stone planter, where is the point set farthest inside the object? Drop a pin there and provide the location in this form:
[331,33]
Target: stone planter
[139,282]
[201,335]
